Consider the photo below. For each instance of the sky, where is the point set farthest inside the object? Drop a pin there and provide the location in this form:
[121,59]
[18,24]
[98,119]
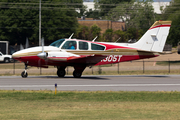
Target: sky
[153,0]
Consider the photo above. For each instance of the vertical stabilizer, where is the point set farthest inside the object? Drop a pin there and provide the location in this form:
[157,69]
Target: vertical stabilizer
[154,39]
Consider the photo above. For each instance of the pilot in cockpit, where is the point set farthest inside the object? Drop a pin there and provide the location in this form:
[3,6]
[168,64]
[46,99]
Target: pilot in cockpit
[71,46]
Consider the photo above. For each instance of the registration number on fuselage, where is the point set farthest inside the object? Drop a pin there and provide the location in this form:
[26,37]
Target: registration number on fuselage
[112,58]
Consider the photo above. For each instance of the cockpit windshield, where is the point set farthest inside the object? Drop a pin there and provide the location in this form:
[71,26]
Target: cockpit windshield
[57,43]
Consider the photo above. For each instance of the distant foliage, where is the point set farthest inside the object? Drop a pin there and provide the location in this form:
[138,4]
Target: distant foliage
[88,33]
[136,14]
[172,13]
[19,20]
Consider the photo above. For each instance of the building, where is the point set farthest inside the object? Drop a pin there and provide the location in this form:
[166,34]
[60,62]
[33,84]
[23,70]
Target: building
[103,24]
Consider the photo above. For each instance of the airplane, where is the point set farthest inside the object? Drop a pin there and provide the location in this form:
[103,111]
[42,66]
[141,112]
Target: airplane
[82,53]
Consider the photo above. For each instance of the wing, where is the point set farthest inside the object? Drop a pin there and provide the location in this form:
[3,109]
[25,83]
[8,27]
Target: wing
[90,59]
[58,57]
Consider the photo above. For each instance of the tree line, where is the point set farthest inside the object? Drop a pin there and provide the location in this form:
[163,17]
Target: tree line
[19,20]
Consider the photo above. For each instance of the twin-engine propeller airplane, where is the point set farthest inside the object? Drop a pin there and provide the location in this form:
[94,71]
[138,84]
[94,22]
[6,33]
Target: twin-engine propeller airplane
[82,53]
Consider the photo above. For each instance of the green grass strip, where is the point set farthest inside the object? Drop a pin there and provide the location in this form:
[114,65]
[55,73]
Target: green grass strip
[87,105]
[99,96]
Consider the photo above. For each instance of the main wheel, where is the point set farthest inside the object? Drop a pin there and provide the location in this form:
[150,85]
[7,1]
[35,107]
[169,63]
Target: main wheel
[77,74]
[24,74]
[61,72]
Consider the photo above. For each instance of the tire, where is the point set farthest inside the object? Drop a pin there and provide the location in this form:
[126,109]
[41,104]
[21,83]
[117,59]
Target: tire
[24,74]
[6,60]
[12,60]
[77,74]
[61,72]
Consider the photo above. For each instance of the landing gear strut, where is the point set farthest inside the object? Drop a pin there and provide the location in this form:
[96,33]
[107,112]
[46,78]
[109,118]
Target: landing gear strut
[24,74]
[61,71]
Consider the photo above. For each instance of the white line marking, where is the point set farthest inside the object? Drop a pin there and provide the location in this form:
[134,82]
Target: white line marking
[105,85]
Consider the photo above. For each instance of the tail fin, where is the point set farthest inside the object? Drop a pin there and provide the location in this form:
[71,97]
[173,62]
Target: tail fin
[154,39]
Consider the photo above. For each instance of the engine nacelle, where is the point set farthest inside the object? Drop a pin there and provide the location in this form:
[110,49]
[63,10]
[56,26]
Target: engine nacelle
[60,56]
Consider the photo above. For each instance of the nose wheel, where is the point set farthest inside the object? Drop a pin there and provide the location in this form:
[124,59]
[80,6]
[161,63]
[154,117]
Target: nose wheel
[24,74]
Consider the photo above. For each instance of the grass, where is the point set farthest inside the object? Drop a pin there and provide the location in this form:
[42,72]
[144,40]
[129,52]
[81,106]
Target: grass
[89,105]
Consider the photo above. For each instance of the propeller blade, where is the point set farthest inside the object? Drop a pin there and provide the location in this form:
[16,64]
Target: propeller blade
[27,43]
[42,42]
[43,55]
[21,47]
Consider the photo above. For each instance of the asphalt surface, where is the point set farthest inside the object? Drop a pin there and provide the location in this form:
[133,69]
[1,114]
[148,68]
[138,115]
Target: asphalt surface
[93,83]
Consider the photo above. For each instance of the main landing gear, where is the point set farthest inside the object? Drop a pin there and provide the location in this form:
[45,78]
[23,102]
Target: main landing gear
[61,71]
[77,71]
[24,74]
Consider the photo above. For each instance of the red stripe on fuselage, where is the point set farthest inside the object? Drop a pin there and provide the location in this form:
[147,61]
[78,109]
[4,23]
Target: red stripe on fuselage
[118,58]
[159,26]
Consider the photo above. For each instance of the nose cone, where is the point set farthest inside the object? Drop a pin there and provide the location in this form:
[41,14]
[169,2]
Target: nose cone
[15,55]
[43,55]
[19,54]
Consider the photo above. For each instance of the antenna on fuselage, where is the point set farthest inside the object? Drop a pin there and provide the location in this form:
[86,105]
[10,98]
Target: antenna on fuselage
[71,36]
[118,39]
[94,39]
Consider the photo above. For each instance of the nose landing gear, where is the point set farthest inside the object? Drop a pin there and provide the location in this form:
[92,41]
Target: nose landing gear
[24,74]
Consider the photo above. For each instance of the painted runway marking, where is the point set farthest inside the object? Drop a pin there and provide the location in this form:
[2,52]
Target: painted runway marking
[105,85]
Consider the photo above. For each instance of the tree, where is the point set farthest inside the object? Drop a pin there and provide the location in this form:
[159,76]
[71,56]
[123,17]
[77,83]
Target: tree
[171,13]
[106,5]
[82,32]
[95,31]
[19,19]
[136,14]
[88,33]
[108,35]
[93,14]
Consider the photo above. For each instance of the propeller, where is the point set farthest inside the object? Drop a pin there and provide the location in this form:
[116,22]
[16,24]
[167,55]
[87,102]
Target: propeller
[42,55]
[27,43]
[21,47]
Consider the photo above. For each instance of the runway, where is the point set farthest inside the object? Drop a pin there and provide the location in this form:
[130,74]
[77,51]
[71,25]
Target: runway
[93,83]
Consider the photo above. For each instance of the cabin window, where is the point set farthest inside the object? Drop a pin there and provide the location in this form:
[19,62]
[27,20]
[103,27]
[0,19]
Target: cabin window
[69,45]
[97,47]
[83,45]
[57,43]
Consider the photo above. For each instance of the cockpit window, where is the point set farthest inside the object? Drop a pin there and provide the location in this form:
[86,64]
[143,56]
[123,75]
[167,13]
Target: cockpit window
[69,45]
[97,47]
[83,45]
[57,43]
